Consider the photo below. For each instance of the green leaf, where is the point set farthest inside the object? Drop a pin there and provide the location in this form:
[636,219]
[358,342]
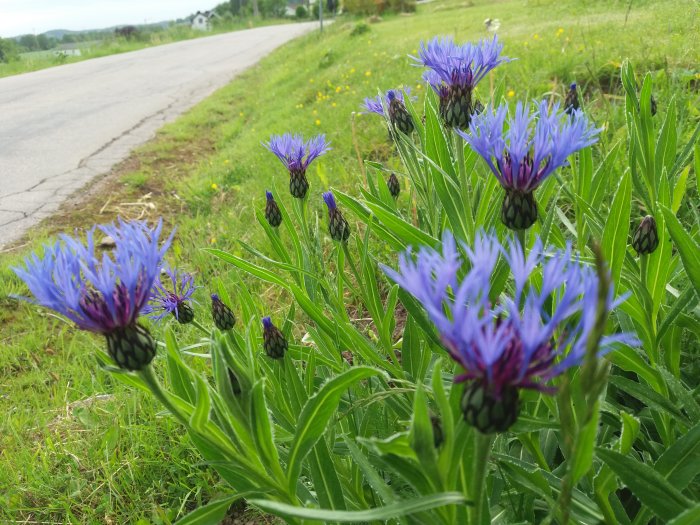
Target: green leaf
[687,247]
[421,434]
[617,228]
[650,487]
[652,399]
[689,517]
[179,374]
[401,508]
[262,429]
[200,416]
[316,415]
[212,513]
[630,431]
[583,455]
[681,461]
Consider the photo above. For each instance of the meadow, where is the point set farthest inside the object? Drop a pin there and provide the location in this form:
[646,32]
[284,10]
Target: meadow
[78,444]
[112,44]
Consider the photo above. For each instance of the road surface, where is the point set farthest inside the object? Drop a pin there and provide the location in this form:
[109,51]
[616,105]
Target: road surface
[62,126]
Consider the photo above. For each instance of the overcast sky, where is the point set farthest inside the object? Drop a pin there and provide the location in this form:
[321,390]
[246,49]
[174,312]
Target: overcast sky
[36,16]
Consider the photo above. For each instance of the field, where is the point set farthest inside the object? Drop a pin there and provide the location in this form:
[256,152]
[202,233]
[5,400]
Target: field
[112,45]
[79,446]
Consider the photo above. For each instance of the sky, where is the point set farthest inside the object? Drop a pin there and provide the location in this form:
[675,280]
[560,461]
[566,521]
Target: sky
[18,17]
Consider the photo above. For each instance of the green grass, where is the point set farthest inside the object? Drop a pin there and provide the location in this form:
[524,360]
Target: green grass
[112,45]
[65,458]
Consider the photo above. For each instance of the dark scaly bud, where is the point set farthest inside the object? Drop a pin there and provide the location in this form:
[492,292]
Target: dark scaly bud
[646,238]
[519,210]
[398,114]
[652,102]
[274,342]
[487,412]
[223,316]
[458,107]
[571,103]
[185,313]
[131,347]
[338,227]
[394,186]
[298,185]
[438,435]
[273,216]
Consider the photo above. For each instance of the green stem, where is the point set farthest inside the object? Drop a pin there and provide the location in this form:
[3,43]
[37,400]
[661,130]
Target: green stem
[196,324]
[148,377]
[521,235]
[482,453]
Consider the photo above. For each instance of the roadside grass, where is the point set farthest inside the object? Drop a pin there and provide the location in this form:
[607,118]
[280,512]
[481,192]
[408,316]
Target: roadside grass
[113,45]
[68,456]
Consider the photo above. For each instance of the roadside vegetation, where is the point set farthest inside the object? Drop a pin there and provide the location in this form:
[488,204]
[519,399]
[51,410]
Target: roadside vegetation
[77,446]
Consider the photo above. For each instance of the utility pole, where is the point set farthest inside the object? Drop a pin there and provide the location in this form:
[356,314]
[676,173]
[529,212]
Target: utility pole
[320,13]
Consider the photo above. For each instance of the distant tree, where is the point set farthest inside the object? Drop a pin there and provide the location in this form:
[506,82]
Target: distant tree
[68,38]
[8,50]
[28,42]
[44,42]
[127,32]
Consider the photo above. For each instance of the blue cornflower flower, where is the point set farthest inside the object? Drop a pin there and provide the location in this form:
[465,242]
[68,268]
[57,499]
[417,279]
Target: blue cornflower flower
[102,294]
[296,154]
[173,299]
[454,72]
[395,104]
[532,148]
[525,338]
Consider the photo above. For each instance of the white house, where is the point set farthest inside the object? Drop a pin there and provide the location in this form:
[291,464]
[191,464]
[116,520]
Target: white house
[202,20]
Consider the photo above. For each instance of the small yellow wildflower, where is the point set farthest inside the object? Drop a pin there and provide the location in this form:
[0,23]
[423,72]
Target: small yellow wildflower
[352,70]
[318,122]
[511,93]
[226,161]
[536,36]
[560,31]
[214,186]
[240,114]
[419,86]
[212,240]
[314,112]
[368,73]
[311,81]
[333,105]
[338,89]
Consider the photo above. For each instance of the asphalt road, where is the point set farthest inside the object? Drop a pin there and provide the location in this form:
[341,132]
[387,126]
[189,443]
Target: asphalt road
[62,126]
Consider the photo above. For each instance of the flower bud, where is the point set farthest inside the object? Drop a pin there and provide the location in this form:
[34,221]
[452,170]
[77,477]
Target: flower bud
[223,316]
[338,227]
[519,210]
[274,342]
[393,185]
[646,237]
[458,106]
[298,185]
[487,412]
[131,347]
[571,103]
[652,102]
[398,114]
[273,216]
[185,313]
